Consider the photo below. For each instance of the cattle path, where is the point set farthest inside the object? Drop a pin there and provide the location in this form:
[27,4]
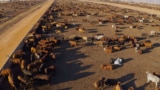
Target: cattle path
[146,10]
[12,36]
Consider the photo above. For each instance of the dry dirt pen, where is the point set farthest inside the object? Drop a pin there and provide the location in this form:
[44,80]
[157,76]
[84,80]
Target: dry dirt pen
[9,10]
[77,68]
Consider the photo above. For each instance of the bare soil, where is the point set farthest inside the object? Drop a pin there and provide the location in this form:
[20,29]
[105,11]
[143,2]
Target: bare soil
[77,68]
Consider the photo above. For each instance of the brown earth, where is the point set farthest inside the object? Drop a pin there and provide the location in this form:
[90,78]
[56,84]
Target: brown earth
[11,37]
[77,68]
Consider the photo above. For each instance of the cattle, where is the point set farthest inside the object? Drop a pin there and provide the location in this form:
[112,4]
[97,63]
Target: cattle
[35,66]
[60,24]
[140,51]
[111,82]
[99,43]
[118,48]
[23,64]
[117,61]
[131,88]
[141,21]
[22,80]
[44,27]
[132,26]
[153,78]
[100,22]
[99,84]
[11,81]
[85,38]
[118,86]
[114,27]
[58,31]
[16,61]
[99,36]
[18,54]
[73,43]
[93,23]
[26,72]
[153,33]
[147,44]
[5,72]
[108,49]
[81,30]
[41,77]
[52,56]
[49,69]
[106,67]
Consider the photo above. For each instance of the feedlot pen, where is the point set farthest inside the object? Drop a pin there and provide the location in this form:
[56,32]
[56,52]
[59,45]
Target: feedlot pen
[77,68]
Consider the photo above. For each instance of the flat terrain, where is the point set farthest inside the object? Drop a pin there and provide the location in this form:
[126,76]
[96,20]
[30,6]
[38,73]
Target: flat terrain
[12,36]
[77,68]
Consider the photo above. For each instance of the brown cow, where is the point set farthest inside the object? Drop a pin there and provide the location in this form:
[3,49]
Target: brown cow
[117,48]
[23,64]
[147,44]
[41,77]
[5,72]
[118,86]
[108,49]
[107,67]
[130,88]
[11,82]
[16,61]
[49,69]
[99,43]
[99,84]
[21,79]
[73,43]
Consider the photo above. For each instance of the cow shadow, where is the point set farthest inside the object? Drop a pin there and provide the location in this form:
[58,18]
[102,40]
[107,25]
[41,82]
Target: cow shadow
[147,50]
[156,44]
[142,87]
[127,60]
[92,30]
[69,88]
[125,78]
[140,27]
[101,25]
[129,81]
[123,27]
[69,66]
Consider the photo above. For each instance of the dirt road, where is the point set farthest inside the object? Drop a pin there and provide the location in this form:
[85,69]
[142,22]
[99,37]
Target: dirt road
[11,37]
[146,10]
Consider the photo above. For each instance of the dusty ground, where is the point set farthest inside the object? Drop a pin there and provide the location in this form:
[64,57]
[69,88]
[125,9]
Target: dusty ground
[11,34]
[77,68]
[9,11]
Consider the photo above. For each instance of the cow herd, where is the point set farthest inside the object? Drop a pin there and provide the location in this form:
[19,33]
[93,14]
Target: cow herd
[34,62]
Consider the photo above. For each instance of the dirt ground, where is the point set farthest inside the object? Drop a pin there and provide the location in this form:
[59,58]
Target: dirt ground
[77,68]
[11,33]
[12,10]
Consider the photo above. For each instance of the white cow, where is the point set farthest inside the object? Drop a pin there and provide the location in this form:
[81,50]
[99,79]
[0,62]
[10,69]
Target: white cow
[114,26]
[118,61]
[141,20]
[98,37]
[125,16]
[153,78]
